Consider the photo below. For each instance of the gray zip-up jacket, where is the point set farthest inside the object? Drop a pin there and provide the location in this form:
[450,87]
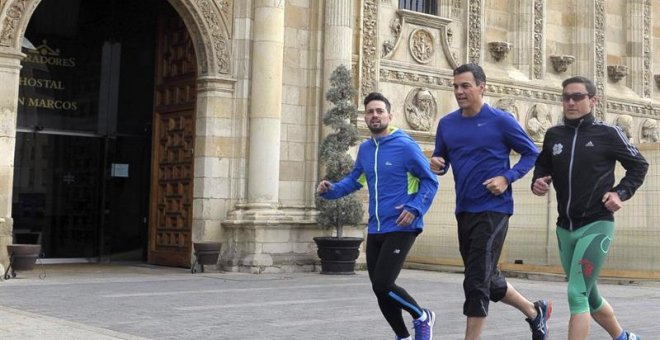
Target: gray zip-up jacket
[581,155]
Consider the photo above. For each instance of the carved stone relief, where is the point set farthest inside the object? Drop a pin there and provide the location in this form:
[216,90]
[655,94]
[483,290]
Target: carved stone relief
[508,104]
[420,109]
[625,122]
[395,28]
[474,31]
[421,46]
[617,72]
[539,120]
[646,76]
[599,43]
[456,8]
[10,25]
[499,49]
[649,131]
[220,32]
[539,17]
[392,73]
[561,62]
[369,47]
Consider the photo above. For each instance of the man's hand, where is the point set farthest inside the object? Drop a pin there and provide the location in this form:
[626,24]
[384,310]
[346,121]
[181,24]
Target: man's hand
[438,165]
[405,218]
[324,186]
[541,185]
[612,201]
[496,185]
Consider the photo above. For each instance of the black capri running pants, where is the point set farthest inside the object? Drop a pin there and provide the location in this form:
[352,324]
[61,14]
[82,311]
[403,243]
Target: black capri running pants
[481,237]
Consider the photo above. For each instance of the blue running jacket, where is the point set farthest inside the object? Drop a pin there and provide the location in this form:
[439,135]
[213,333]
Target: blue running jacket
[397,174]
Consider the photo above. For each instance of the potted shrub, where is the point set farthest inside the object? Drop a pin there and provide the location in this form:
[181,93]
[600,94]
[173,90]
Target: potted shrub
[338,253]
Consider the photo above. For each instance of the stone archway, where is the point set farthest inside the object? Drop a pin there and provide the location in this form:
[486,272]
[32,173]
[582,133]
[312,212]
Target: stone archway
[209,23]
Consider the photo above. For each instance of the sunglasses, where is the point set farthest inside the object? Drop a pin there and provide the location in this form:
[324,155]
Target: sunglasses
[566,97]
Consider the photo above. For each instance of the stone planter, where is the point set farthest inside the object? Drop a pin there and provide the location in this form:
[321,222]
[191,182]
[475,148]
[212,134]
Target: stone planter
[338,254]
[22,257]
[206,253]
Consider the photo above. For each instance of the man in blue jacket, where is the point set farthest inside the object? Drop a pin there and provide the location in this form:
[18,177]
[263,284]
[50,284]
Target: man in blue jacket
[477,141]
[401,190]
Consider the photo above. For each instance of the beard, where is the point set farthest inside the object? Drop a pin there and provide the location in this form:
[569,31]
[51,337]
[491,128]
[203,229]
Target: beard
[377,129]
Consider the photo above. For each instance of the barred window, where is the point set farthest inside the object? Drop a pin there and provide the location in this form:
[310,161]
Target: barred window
[423,6]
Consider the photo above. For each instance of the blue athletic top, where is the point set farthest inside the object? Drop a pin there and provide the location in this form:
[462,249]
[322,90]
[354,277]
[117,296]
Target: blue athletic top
[398,176]
[478,148]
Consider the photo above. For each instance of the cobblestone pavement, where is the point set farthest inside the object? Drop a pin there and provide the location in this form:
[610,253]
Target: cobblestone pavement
[137,301]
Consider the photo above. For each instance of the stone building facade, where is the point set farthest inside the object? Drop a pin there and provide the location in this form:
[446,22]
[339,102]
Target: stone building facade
[260,69]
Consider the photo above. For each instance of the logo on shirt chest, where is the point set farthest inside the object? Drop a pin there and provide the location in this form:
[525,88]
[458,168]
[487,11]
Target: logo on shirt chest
[557,149]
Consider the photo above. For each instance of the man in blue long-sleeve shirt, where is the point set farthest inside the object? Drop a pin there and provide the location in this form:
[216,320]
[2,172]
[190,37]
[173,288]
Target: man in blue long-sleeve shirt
[476,140]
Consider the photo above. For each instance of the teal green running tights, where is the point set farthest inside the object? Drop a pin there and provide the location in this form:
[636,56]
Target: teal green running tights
[582,253]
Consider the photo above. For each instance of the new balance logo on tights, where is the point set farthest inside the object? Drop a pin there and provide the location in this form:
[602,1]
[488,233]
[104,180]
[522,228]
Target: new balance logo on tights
[397,251]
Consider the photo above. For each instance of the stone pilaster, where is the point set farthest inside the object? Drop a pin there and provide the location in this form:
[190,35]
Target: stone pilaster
[539,59]
[475,31]
[9,73]
[637,28]
[590,46]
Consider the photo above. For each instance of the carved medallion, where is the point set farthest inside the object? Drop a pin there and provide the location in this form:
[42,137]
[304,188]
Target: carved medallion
[421,46]
[420,109]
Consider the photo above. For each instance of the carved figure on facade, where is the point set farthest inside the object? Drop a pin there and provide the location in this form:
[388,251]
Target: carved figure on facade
[420,109]
[421,45]
[508,104]
[625,122]
[539,120]
[395,28]
[617,72]
[649,131]
[657,80]
[499,49]
[561,62]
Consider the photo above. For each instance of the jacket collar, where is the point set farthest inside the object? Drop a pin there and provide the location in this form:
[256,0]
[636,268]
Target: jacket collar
[588,119]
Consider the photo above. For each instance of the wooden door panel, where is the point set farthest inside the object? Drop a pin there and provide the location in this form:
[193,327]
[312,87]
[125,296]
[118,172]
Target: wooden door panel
[170,223]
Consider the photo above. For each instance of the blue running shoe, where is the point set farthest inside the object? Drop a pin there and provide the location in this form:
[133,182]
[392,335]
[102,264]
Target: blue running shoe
[539,325]
[424,329]
[628,336]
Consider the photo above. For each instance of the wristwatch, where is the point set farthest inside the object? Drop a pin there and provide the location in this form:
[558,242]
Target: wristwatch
[623,194]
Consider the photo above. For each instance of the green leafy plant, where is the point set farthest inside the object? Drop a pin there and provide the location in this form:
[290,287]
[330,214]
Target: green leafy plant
[333,152]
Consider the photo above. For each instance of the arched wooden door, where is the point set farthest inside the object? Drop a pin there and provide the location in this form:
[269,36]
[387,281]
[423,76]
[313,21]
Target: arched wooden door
[170,222]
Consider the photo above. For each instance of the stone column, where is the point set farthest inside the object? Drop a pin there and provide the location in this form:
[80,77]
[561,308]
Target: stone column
[266,104]
[10,66]
[338,39]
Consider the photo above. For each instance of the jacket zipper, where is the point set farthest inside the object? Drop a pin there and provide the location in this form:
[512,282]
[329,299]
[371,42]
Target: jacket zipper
[376,182]
[570,177]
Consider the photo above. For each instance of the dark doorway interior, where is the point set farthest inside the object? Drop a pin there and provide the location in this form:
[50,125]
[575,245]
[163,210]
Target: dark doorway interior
[81,180]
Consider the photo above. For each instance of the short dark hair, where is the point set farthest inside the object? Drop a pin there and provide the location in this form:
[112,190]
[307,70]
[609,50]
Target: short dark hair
[378,96]
[588,84]
[476,70]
